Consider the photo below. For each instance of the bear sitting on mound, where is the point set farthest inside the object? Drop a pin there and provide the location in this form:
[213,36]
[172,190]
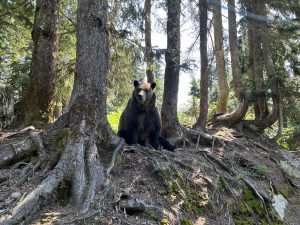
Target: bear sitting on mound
[140,122]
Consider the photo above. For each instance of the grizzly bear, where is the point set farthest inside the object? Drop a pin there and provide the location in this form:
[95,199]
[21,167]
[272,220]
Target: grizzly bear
[140,121]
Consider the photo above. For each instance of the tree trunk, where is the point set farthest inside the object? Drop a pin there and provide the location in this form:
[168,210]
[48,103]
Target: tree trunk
[220,63]
[90,135]
[170,123]
[6,107]
[256,62]
[270,68]
[36,103]
[238,114]
[251,31]
[202,119]
[149,53]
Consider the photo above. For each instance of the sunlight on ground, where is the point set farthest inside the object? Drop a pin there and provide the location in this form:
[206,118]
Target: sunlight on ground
[200,221]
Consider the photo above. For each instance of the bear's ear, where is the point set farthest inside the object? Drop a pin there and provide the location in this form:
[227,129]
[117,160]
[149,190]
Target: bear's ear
[136,83]
[153,85]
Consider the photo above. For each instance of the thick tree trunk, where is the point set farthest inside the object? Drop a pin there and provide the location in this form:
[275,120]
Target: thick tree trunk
[170,123]
[202,119]
[256,62]
[149,53]
[90,135]
[220,62]
[36,103]
[250,27]
[238,114]
[270,68]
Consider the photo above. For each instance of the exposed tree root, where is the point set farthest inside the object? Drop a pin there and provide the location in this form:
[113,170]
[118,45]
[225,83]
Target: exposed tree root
[27,172]
[260,196]
[96,176]
[193,135]
[37,141]
[13,152]
[79,163]
[112,163]
[78,220]
[25,148]
[35,200]
[10,135]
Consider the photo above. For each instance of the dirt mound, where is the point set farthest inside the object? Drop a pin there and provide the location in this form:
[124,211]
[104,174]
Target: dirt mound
[244,180]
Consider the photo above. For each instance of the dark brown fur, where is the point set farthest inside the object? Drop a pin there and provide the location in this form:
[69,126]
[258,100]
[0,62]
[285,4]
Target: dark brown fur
[140,121]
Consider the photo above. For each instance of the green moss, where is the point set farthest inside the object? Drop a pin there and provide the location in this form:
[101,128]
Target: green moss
[249,209]
[260,170]
[182,189]
[151,214]
[34,160]
[61,142]
[118,160]
[285,190]
[186,221]
[193,202]
[243,222]
[252,202]
[298,192]
[163,168]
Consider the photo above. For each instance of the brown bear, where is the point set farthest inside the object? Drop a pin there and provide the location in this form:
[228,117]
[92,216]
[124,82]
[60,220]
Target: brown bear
[140,122]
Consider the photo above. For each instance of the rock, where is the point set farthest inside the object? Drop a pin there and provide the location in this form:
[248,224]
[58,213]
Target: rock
[280,204]
[16,195]
[132,204]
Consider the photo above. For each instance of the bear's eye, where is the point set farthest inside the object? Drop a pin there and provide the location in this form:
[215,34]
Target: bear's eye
[146,90]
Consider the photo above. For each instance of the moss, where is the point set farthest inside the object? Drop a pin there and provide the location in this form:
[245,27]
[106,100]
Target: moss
[186,221]
[34,160]
[61,142]
[180,189]
[252,202]
[151,215]
[193,202]
[118,160]
[298,192]
[285,190]
[243,222]
[260,170]
[250,209]
[63,192]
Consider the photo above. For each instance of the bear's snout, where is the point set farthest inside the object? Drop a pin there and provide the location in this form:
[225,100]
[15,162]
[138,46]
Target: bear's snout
[141,96]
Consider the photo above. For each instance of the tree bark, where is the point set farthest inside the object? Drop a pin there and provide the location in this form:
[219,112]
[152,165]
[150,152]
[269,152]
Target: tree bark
[36,103]
[202,119]
[220,62]
[90,135]
[170,123]
[149,53]
[270,69]
[256,62]
[238,114]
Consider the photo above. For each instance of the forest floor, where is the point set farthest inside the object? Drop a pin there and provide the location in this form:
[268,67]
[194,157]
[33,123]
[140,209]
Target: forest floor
[245,180]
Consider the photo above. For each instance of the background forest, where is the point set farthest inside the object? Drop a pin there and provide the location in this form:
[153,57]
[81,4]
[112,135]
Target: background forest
[66,73]
[130,24]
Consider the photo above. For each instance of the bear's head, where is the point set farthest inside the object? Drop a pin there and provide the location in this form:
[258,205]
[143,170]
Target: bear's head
[144,93]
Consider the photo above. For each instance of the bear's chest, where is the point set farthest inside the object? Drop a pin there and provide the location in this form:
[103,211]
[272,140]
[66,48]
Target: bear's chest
[144,123]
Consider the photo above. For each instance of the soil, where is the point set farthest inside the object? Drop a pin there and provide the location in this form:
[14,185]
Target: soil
[188,186]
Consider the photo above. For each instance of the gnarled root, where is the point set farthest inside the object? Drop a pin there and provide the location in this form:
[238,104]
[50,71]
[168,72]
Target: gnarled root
[80,164]
[35,200]
[197,136]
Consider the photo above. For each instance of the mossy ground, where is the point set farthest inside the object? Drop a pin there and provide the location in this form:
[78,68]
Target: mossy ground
[185,186]
[250,211]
